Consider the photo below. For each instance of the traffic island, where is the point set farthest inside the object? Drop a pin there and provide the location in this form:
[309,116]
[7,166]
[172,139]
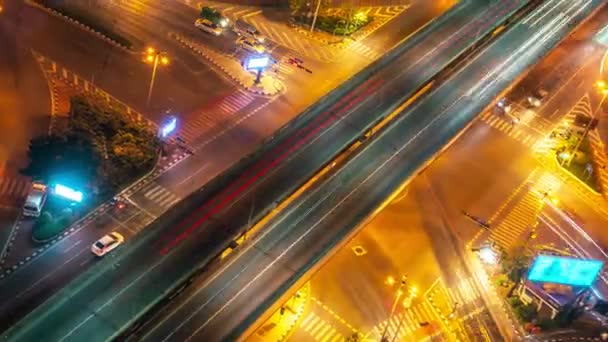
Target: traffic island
[579,163]
[99,152]
[281,325]
[230,66]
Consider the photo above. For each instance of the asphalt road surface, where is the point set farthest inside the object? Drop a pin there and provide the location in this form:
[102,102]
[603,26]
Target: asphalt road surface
[308,229]
[154,263]
[32,283]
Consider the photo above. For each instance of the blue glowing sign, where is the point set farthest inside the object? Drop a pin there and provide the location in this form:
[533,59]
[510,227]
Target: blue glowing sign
[68,193]
[168,127]
[259,62]
[562,270]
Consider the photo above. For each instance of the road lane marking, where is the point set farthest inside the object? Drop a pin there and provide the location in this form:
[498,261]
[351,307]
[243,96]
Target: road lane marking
[221,271]
[313,227]
[60,267]
[72,246]
[202,168]
[310,229]
[297,241]
[122,225]
[109,301]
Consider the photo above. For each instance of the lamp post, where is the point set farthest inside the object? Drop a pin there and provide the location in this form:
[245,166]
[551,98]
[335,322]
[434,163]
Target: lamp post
[153,56]
[603,88]
[407,303]
[395,303]
[314,18]
[604,61]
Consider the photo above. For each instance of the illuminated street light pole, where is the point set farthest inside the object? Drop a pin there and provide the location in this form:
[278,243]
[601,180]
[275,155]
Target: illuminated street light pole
[154,57]
[604,61]
[314,18]
[399,294]
[604,90]
[407,303]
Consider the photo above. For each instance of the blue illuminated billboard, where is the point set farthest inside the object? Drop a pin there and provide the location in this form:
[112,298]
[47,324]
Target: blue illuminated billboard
[258,62]
[65,192]
[562,270]
[168,127]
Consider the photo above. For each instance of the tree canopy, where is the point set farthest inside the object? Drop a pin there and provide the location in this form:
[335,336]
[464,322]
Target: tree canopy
[100,147]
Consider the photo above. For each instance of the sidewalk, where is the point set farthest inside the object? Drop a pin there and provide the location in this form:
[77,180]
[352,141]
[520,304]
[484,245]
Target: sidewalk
[284,321]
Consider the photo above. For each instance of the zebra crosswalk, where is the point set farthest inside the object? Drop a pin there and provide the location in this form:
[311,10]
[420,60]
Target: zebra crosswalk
[319,329]
[509,127]
[205,120]
[14,188]
[364,50]
[524,214]
[160,195]
[404,324]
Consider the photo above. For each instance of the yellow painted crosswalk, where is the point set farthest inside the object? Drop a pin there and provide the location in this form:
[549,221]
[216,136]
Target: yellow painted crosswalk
[14,187]
[403,325]
[508,126]
[320,329]
[524,214]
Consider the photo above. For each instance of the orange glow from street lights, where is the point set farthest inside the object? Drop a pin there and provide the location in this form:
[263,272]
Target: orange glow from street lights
[390,281]
[149,58]
[164,60]
[150,50]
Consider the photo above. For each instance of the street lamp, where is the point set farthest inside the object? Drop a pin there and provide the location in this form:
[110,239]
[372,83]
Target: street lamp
[604,61]
[155,57]
[397,297]
[407,303]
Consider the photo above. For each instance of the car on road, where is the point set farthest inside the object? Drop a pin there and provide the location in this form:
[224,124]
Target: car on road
[250,44]
[35,200]
[536,99]
[504,105]
[246,30]
[107,243]
[207,26]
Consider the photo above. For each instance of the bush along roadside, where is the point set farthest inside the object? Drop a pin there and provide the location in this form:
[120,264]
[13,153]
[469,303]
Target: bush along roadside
[100,152]
[337,25]
[579,162]
[88,20]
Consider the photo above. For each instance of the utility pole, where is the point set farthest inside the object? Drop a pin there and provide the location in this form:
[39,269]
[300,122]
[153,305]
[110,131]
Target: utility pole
[395,303]
[314,18]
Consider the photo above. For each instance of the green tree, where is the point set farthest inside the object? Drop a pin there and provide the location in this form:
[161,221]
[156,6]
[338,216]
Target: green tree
[55,155]
[515,264]
[211,14]
[302,7]
[296,5]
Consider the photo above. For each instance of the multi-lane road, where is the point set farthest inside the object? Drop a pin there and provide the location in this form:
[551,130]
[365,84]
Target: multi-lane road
[293,242]
[341,117]
[228,125]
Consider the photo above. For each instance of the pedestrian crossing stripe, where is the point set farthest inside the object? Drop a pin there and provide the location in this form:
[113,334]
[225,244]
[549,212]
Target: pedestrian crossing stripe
[235,102]
[405,322]
[201,122]
[524,214]
[319,329]
[508,127]
[14,187]
[161,196]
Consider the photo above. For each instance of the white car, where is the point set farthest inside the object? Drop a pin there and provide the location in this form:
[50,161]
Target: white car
[107,243]
[207,26]
[250,44]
